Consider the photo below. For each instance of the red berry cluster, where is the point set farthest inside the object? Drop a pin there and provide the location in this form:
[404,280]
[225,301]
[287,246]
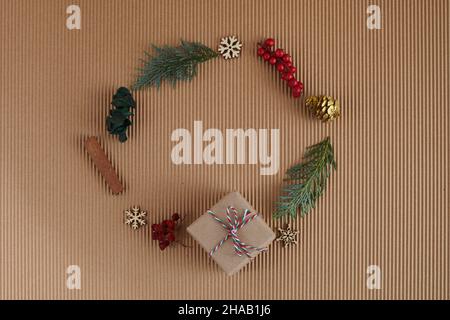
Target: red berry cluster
[283,63]
[164,232]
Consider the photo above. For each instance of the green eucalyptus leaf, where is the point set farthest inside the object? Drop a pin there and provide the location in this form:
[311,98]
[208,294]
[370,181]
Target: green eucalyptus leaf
[123,98]
[121,92]
[118,120]
[123,137]
[125,112]
[117,117]
[127,102]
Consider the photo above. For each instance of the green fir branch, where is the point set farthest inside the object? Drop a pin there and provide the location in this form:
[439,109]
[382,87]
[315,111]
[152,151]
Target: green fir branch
[172,63]
[308,180]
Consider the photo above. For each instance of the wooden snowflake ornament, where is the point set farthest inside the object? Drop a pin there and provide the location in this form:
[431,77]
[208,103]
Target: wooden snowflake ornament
[135,218]
[230,47]
[288,236]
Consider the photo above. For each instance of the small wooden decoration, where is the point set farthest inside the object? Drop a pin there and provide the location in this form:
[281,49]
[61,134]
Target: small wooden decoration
[103,164]
[230,47]
[135,217]
[288,236]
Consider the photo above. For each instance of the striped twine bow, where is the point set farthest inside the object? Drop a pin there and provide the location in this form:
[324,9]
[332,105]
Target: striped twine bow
[232,226]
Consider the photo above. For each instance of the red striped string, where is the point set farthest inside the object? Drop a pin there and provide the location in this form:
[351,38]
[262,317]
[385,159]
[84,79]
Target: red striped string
[232,226]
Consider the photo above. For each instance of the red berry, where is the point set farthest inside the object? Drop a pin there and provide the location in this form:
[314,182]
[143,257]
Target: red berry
[288,65]
[163,244]
[293,69]
[156,228]
[165,225]
[266,56]
[269,42]
[292,83]
[280,67]
[171,237]
[273,60]
[296,94]
[155,233]
[169,224]
[287,58]
[164,232]
[261,51]
[297,90]
[288,76]
[279,53]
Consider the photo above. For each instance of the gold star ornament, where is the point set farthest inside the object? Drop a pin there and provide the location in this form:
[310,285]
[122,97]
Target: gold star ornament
[288,236]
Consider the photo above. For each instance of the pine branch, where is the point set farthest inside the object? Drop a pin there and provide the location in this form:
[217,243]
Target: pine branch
[309,180]
[173,63]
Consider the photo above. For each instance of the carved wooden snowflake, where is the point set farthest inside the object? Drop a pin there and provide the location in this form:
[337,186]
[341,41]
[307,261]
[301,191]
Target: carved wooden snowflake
[230,47]
[288,236]
[135,218]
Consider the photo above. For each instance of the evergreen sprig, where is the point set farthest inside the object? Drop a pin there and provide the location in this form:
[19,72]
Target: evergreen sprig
[308,180]
[118,120]
[172,63]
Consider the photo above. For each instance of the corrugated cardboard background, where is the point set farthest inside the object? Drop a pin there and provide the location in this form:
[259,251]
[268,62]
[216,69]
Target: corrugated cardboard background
[387,204]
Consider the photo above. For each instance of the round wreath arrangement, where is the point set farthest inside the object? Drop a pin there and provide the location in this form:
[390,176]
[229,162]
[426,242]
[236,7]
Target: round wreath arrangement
[306,180]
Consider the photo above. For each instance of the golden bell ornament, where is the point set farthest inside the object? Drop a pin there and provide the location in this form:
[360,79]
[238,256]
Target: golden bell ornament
[325,108]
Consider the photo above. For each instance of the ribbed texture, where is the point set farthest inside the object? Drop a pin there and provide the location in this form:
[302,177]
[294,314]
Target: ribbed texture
[387,204]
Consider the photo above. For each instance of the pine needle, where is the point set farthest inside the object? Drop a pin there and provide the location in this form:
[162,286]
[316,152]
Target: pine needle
[172,64]
[308,180]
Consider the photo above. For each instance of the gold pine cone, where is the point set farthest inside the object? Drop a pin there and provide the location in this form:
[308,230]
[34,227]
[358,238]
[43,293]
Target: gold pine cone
[325,108]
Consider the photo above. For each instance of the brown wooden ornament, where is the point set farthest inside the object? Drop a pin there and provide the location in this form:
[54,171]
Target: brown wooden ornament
[103,164]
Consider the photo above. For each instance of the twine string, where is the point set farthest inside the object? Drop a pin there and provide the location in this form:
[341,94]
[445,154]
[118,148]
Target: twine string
[232,225]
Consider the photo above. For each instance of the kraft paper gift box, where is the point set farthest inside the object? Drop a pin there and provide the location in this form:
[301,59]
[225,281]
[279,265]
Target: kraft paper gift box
[208,233]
